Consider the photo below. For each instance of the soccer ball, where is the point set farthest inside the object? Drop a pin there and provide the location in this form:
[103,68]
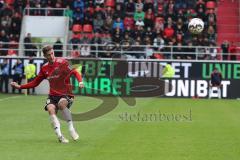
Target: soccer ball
[196,25]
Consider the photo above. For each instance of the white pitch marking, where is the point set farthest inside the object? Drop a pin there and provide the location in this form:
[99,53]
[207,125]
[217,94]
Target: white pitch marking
[7,98]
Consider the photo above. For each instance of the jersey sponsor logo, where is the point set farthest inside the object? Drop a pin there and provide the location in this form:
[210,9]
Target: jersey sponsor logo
[70,67]
[52,77]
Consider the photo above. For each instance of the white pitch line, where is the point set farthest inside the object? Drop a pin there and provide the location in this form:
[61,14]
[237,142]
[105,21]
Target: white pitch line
[7,98]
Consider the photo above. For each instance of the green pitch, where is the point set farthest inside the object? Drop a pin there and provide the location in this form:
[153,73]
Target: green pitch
[190,130]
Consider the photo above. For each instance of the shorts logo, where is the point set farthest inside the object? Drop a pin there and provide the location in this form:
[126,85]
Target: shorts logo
[48,101]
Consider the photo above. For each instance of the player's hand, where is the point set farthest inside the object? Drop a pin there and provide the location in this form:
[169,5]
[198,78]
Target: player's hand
[15,85]
[81,85]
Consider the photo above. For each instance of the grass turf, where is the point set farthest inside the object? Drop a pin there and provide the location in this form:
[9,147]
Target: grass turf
[212,133]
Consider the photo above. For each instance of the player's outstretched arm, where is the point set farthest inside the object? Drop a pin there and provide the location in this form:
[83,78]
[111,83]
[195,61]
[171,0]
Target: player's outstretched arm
[79,77]
[15,85]
[31,84]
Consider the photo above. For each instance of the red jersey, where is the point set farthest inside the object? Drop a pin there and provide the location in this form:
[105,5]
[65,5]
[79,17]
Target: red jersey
[58,74]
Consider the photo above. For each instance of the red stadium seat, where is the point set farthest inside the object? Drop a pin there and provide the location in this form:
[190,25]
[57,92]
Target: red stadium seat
[76,36]
[89,35]
[110,3]
[210,5]
[77,28]
[87,28]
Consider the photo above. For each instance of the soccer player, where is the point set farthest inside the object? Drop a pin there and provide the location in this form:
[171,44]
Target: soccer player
[216,79]
[57,71]
[168,71]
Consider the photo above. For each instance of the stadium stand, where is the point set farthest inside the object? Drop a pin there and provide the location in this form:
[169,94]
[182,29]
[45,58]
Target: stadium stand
[149,22]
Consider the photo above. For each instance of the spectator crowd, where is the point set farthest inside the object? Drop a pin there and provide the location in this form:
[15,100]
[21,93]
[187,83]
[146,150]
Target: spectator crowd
[153,23]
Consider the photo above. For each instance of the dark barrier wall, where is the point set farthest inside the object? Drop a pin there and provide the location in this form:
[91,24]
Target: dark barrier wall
[142,77]
[194,80]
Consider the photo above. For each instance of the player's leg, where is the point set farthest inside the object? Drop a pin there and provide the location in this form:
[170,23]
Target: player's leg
[210,92]
[62,104]
[6,81]
[1,83]
[219,92]
[14,80]
[51,108]
[19,82]
[33,89]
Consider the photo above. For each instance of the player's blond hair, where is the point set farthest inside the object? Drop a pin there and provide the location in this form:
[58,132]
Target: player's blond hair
[46,48]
